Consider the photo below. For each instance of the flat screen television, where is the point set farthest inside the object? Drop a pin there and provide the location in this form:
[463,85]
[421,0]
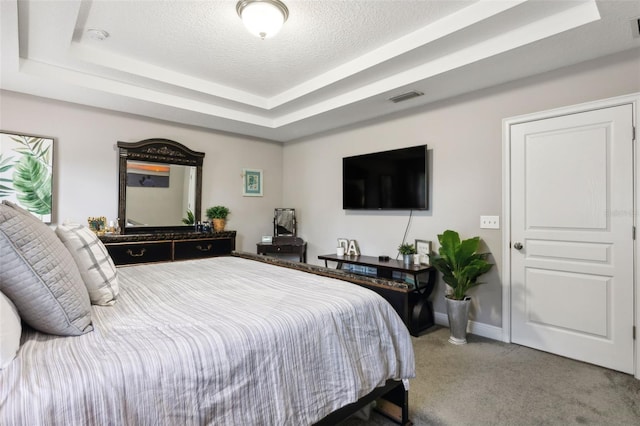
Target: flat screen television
[388,180]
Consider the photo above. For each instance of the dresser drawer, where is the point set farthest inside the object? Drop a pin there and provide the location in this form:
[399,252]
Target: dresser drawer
[193,249]
[129,253]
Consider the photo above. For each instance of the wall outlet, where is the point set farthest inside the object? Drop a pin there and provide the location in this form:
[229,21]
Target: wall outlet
[490,222]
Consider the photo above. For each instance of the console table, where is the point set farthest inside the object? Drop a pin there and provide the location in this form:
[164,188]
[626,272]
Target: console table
[168,246]
[411,303]
[284,245]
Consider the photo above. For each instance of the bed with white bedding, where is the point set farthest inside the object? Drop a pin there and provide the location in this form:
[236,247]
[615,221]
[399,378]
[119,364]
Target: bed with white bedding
[220,341]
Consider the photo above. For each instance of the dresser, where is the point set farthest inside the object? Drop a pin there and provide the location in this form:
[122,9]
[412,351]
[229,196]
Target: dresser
[167,247]
[284,245]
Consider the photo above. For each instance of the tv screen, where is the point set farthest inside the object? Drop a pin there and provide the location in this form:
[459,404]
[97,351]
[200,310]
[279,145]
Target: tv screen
[391,180]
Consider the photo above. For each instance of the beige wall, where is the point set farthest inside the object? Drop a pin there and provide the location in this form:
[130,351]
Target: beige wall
[464,136]
[86,161]
[465,144]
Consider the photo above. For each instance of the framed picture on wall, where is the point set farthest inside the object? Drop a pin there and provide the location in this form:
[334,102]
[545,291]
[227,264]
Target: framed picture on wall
[26,172]
[423,249]
[252,183]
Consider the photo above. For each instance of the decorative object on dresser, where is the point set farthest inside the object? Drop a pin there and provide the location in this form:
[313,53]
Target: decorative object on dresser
[407,251]
[411,302]
[145,209]
[460,265]
[218,216]
[423,249]
[97,224]
[26,171]
[284,222]
[168,246]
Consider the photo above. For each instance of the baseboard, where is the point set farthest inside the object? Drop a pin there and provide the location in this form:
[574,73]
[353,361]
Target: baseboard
[477,328]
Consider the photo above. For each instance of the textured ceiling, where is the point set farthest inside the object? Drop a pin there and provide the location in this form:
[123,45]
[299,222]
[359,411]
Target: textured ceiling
[334,63]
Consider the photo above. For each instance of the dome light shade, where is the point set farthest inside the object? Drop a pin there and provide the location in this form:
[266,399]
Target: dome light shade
[263,18]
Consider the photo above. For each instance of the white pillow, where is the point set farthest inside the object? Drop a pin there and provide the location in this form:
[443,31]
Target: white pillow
[39,275]
[96,267]
[10,331]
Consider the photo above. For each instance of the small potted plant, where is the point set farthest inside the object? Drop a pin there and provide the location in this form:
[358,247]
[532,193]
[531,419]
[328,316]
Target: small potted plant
[460,265]
[218,215]
[407,251]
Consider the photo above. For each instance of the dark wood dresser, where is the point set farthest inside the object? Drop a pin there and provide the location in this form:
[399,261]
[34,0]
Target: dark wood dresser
[166,247]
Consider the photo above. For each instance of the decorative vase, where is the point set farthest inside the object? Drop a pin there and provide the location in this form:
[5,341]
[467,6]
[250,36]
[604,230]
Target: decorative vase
[407,259]
[218,225]
[458,314]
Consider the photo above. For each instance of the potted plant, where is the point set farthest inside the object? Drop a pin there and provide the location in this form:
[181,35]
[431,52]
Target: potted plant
[218,215]
[190,219]
[460,265]
[407,251]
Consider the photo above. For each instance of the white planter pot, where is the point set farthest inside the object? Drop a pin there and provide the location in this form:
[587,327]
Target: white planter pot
[458,314]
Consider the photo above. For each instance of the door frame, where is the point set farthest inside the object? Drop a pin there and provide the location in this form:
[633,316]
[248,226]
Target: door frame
[634,100]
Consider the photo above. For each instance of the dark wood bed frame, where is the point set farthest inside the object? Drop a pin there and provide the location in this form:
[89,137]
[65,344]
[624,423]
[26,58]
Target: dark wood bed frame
[392,399]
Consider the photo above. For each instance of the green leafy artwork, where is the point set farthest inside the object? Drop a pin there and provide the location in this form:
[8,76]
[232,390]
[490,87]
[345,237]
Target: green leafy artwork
[30,171]
[6,163]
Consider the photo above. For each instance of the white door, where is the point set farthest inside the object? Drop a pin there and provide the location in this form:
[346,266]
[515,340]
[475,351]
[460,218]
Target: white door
[572,236]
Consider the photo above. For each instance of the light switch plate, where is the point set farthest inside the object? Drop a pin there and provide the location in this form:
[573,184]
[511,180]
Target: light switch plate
[490,222]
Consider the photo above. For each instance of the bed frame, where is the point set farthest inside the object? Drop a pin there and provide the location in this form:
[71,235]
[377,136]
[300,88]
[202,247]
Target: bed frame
[392,400]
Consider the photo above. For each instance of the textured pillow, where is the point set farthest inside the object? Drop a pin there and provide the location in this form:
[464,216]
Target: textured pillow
[39,275]
[96,267]
[10,331]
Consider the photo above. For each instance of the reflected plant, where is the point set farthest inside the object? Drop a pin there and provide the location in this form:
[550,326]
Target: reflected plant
[190,219]
[32,174]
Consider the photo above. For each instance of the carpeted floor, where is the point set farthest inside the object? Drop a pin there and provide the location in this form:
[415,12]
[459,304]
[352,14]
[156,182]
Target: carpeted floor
[487,382]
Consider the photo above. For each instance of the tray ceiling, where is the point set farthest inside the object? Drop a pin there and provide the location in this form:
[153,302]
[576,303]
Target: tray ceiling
[333,64]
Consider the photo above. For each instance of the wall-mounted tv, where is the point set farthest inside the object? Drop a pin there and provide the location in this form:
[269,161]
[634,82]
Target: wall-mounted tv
[388,180]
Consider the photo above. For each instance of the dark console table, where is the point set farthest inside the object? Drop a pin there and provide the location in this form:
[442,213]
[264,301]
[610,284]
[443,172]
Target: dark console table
[284,245]
[411,303]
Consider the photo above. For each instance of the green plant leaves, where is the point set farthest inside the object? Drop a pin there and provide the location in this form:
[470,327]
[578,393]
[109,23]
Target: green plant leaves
[459,262]
[190,219]
[31,174]
[5,165]
[32,182]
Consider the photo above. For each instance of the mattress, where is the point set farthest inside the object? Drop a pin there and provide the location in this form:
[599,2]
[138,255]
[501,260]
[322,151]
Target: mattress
[224,341]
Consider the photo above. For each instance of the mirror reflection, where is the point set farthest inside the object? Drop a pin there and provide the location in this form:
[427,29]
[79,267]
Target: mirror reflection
[159,194]
[284,222]
[159,184]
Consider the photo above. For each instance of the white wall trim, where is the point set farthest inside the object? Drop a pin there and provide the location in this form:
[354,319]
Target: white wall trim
[634,100]
[477,328]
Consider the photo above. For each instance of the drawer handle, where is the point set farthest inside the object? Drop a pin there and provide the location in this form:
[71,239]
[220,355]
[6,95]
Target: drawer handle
[207,248]
[132,254]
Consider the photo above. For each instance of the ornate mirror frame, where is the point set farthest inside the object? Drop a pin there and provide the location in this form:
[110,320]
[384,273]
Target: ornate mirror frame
[284,222]
[157,151]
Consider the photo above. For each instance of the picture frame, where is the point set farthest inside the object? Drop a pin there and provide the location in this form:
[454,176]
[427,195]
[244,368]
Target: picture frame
[97,224]
[423,249]
[252,183]
[26,172]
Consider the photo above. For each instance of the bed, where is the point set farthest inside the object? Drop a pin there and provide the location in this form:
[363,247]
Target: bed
[222,341]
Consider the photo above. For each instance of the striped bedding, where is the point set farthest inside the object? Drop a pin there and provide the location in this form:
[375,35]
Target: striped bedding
[221,341]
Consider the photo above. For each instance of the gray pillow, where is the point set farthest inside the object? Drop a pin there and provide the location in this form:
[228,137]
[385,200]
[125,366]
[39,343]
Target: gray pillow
[39,275]
[94,263]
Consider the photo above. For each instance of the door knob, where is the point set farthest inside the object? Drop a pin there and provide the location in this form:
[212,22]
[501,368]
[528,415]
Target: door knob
[517,246]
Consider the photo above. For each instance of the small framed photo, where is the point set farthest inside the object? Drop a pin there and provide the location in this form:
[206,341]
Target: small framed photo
[423,247]
[98,224]
[252,183]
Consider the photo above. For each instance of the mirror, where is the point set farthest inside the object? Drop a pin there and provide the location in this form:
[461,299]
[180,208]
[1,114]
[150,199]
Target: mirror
[284,222]
[159,181]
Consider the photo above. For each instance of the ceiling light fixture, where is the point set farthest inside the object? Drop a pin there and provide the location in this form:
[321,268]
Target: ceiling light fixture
[96,34]
[263,18]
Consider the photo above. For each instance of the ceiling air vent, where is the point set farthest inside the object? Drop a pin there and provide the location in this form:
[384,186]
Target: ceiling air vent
[406,96]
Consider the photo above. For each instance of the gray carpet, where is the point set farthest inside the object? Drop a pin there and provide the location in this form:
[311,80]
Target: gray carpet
[492,383]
